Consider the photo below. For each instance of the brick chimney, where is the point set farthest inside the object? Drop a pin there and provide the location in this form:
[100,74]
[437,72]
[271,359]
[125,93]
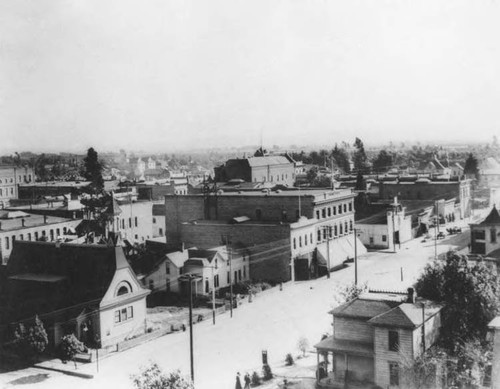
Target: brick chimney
[411,296]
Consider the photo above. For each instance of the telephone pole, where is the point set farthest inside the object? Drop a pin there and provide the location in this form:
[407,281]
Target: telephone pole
[229,257]
[355,256]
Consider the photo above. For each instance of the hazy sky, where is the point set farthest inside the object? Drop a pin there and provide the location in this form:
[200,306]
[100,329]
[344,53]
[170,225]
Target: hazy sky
[161,74]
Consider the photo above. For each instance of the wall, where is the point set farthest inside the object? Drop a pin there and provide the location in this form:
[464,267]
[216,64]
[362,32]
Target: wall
[486,245]
[378,232]
[28,233]
[278,174]
[383,356]
[432,328]
[158,226]
[268,244]
[359,368]
[137,217]
[352,329]
[10,178]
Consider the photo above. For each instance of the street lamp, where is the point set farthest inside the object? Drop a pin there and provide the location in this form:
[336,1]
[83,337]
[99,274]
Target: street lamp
[190,278]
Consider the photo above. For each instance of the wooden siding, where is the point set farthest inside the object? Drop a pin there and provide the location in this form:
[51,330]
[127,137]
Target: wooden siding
[351,329]
[383,356]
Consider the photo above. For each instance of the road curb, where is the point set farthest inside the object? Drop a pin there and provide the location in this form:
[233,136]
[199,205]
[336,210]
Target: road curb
[68,372]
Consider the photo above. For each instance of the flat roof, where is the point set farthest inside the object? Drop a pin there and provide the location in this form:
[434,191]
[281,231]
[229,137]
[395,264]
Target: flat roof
[72,184]
[32,220]
[318,194]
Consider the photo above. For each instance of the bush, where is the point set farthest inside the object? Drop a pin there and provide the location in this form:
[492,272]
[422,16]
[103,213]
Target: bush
[289,360]
[69,346]
[255,379]
[30,341]
[267,373]
[152,377]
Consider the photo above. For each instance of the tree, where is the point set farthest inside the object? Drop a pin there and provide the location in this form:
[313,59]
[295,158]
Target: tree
[471,166]
[470,293]
[32,340]
[302,345]
[312,174]
[341,158]
[289,360]
[360,182]
[359,156]
[152,377]
[350,292]
[422,372]
[382,162]
[93,171]
[69,347]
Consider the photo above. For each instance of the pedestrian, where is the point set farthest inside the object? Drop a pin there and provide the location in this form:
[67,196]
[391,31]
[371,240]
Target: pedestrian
[247,381]
[238,382]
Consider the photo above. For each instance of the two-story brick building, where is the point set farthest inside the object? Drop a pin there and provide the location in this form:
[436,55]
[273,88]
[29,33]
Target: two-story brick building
[279,227]
[373,335]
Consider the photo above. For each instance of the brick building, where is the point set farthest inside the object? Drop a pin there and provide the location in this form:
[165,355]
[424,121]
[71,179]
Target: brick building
[17,225]
[10,179]
[425,189]
[278,169]
[275,226]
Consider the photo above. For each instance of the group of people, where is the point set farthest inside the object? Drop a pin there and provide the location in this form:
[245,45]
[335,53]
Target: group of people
[246,379]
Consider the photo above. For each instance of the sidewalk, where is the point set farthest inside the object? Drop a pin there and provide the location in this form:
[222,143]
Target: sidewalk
[81,370]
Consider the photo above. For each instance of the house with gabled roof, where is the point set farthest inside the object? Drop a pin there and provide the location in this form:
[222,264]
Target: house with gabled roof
[86,289]
[373,335]
[485,235]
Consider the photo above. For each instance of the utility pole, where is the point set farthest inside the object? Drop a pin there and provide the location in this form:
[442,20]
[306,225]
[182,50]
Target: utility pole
[213,293]
[189,278]
[423,328]
[355,257]
[229,257]
[327,230]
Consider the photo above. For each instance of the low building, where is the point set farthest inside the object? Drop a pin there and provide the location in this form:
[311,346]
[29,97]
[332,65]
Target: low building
[19,226]
[373,336]
[88,290]
[385,229]
[485,235]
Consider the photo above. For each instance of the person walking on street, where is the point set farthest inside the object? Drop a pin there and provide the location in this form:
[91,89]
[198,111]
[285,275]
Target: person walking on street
[247,381]
[238,382]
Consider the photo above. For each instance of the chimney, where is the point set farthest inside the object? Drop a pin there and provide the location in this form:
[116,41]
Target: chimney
[411,296]
[22,222]
[44,219]
[182,247]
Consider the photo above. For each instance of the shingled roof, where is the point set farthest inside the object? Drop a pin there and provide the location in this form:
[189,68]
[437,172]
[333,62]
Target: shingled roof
[492,218]
[406,315]
[363,309]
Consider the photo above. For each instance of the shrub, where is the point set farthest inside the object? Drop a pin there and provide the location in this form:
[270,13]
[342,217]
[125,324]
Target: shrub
[152,377]
[266,285]
[350,292]
[69,346]
[255,379]
[267,373]
[289,360]
[30,341]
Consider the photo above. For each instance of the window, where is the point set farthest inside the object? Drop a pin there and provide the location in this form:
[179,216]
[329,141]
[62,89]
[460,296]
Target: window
[129,222]
[350,207]
[340,209]
[136,237]
[239,274]
[393,341]
[371,240]
[58,232]
[317,214]
[228,278]
[216,281]
[323,213]
[7,244]
[311,237]
[345,208]
[335,230]
[167,268]
[36,235]
[319,235]
[334,209]
[479,234]
[329,212]
[350,225]
[324,233]
[493,235]
[340,229]
[300,241]
[330,231]
[11,191]
[305,240]
[161,231]
[294,243]
[154,220]
[21,237]
[51,235]
[135,221]
[244,272]
[29,236]
[394,373]
[123,224]
[384,238]
[235,277]
[124,314]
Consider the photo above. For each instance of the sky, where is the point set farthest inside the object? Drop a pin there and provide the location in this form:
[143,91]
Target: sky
[172,74]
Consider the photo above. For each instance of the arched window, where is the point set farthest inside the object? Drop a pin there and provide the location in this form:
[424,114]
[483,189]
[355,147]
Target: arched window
[123,288]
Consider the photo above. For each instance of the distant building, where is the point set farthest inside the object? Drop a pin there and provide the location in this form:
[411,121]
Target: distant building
[88,290]
[386,229]
[489,173]
[19,226]
[36,191]
[485,235]
[277,169]
[372,336]
[10,179]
